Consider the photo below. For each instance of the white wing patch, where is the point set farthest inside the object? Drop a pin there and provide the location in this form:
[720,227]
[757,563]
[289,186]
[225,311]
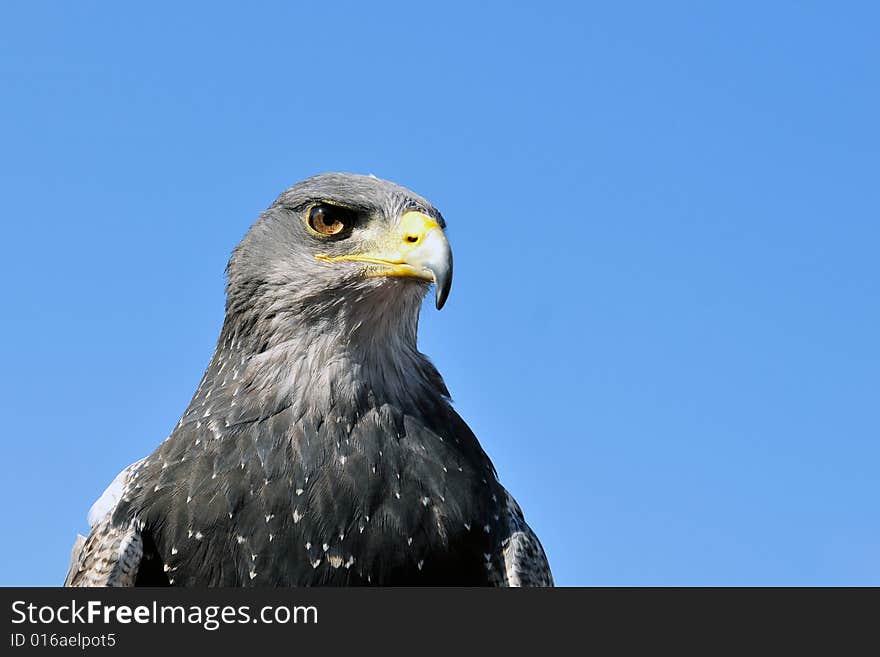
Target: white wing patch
[110,497]
[111,555]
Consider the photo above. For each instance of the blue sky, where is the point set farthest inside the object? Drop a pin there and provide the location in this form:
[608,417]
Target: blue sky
[665,219]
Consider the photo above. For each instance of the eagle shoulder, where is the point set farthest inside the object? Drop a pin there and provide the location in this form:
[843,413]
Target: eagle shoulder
[525,563]
[111,554]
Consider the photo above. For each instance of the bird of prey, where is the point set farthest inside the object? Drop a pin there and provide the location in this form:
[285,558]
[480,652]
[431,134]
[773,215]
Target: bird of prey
[321,447]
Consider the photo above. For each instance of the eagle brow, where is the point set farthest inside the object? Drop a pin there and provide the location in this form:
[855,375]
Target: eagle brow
[351,207]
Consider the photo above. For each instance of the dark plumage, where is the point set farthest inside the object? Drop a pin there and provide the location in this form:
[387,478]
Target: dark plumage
[321,446]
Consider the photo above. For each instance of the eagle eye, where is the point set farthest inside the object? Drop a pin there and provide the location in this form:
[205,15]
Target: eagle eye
[330,220]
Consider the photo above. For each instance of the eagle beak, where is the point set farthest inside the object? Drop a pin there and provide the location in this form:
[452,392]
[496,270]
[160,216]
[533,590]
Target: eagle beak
[415,248]
[431,252]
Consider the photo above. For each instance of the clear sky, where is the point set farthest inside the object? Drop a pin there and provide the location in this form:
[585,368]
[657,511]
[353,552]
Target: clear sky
[665,217]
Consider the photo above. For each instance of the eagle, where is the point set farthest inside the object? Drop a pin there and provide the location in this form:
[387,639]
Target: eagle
[321,446]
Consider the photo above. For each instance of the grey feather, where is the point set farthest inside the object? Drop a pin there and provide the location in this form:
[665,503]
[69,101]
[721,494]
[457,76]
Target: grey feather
[525,563]
[76,554]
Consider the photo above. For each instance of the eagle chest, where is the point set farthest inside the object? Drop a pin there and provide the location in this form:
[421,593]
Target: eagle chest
[383,500]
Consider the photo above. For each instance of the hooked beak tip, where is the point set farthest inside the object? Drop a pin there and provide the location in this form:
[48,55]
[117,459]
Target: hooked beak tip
[441,292]
[441,269]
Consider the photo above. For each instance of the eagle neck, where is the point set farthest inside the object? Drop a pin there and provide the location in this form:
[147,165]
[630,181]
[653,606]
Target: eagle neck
[343,361]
